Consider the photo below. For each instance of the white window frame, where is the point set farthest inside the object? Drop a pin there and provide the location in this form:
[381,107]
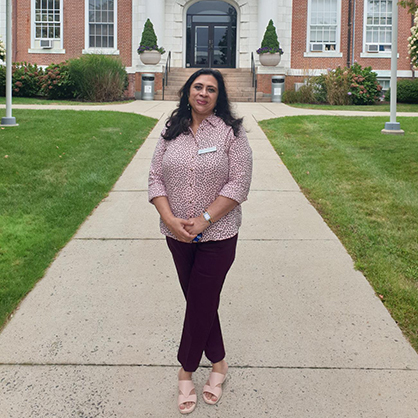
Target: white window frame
[35,43]
[378,54]
[104,51]
[324,54]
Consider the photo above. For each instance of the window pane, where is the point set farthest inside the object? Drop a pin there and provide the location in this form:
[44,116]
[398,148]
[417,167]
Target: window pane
[378,22]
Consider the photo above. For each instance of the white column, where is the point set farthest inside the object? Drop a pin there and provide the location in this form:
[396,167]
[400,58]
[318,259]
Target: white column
[155,11]
[267,10]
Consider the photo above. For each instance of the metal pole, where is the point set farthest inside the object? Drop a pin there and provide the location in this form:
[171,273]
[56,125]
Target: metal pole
[8,120]
[393,127]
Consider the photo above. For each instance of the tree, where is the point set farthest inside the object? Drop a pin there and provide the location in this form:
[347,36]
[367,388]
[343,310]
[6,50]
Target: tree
[411,5]
[413,42]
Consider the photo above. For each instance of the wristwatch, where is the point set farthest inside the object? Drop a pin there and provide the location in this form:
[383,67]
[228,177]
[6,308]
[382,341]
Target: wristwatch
[207,216]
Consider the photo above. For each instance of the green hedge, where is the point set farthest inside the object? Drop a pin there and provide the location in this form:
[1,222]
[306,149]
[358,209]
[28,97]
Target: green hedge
[407,91]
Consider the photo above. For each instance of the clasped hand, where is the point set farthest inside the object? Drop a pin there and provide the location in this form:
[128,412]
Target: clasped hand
[186,230]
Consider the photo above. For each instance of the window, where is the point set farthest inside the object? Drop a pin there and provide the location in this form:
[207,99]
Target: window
[323,26]
[378,26]
[101,24]
[47,19]
[46,27]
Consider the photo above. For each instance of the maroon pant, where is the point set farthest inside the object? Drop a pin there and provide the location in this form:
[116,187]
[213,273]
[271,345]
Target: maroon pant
[202,269]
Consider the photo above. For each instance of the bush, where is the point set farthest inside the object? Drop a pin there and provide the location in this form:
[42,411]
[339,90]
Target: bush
[56,82]
[98,78]
[365,89]
[304,95]
[25,79]
[290,96]
[2,80]
[319,88]
[407,91]
[337,83]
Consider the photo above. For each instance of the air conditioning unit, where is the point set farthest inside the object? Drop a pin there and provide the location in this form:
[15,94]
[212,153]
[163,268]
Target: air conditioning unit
[46,43]
[372,48]
[317,47]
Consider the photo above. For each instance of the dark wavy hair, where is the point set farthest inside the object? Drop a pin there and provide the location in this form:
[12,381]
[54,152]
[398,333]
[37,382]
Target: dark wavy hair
[180,119]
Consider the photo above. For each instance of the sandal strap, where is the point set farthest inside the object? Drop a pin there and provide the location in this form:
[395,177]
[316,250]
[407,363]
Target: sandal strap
[214,380]
[185,389]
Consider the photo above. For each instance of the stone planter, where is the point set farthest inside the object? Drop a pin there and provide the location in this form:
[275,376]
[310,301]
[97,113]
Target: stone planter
[270,60]
[150,57]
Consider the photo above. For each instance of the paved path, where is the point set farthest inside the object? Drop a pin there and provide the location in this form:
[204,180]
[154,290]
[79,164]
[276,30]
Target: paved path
[305,334]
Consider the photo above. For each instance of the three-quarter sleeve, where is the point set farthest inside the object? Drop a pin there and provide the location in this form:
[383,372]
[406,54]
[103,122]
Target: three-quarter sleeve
[240,168]
[156,186]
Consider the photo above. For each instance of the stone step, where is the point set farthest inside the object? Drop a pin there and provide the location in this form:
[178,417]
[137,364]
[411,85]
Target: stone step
[238,83]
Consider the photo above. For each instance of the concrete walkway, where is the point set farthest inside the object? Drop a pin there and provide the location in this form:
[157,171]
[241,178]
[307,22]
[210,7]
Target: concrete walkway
[305,334]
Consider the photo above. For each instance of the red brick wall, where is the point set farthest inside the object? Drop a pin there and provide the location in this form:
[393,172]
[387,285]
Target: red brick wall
[298,47]
[73,28]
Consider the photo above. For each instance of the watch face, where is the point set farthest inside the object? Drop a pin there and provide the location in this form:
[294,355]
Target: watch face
[206,216]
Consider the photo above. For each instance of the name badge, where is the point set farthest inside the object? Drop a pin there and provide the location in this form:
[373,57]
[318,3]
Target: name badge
[206,150]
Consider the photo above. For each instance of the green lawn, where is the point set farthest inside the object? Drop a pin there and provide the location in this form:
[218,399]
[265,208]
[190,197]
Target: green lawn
[55,167]
[365,185]
[383,107]
[43,101]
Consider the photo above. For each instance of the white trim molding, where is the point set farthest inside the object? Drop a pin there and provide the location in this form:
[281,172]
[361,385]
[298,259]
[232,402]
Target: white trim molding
[327,54]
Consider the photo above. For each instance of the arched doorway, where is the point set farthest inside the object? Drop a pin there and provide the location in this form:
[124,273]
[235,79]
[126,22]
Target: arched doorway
[211,39]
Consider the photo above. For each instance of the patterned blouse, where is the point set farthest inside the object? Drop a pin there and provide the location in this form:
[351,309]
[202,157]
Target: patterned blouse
[193,170]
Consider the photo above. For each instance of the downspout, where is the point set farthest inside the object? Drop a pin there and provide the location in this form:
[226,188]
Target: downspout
[354,30]
[350,23]
[14,30]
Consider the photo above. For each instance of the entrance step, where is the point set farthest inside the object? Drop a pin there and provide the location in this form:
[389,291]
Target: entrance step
[238,83]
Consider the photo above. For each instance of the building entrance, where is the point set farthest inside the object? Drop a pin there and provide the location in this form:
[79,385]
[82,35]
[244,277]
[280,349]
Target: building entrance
[211,35]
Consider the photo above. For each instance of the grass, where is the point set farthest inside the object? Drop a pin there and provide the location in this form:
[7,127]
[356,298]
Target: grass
[365,186]
[55,167]
[383,107]
[43,101]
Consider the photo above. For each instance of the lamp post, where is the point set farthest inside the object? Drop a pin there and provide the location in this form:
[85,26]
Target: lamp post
[9,120]
[393,127]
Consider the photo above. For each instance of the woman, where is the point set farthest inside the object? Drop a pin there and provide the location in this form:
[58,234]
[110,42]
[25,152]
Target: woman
[200,174]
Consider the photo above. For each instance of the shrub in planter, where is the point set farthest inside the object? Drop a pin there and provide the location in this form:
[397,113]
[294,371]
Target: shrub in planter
[149,39]
[270,52]
[56,82]
[407,91]
[25,79]
[365,89]
[270,43]
[98,78]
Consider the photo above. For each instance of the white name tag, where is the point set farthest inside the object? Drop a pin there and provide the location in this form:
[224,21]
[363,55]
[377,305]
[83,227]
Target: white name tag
[205,150]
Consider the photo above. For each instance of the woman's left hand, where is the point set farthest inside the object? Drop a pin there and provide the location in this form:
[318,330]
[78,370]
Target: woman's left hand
[199,225]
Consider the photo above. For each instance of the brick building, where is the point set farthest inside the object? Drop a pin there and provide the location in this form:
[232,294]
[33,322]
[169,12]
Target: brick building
[314,34]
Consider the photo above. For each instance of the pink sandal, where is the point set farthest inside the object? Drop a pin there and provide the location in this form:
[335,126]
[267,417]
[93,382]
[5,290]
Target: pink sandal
[185,395]
[212,388]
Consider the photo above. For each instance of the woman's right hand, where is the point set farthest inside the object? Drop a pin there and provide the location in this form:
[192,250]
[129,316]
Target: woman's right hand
[177,227]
